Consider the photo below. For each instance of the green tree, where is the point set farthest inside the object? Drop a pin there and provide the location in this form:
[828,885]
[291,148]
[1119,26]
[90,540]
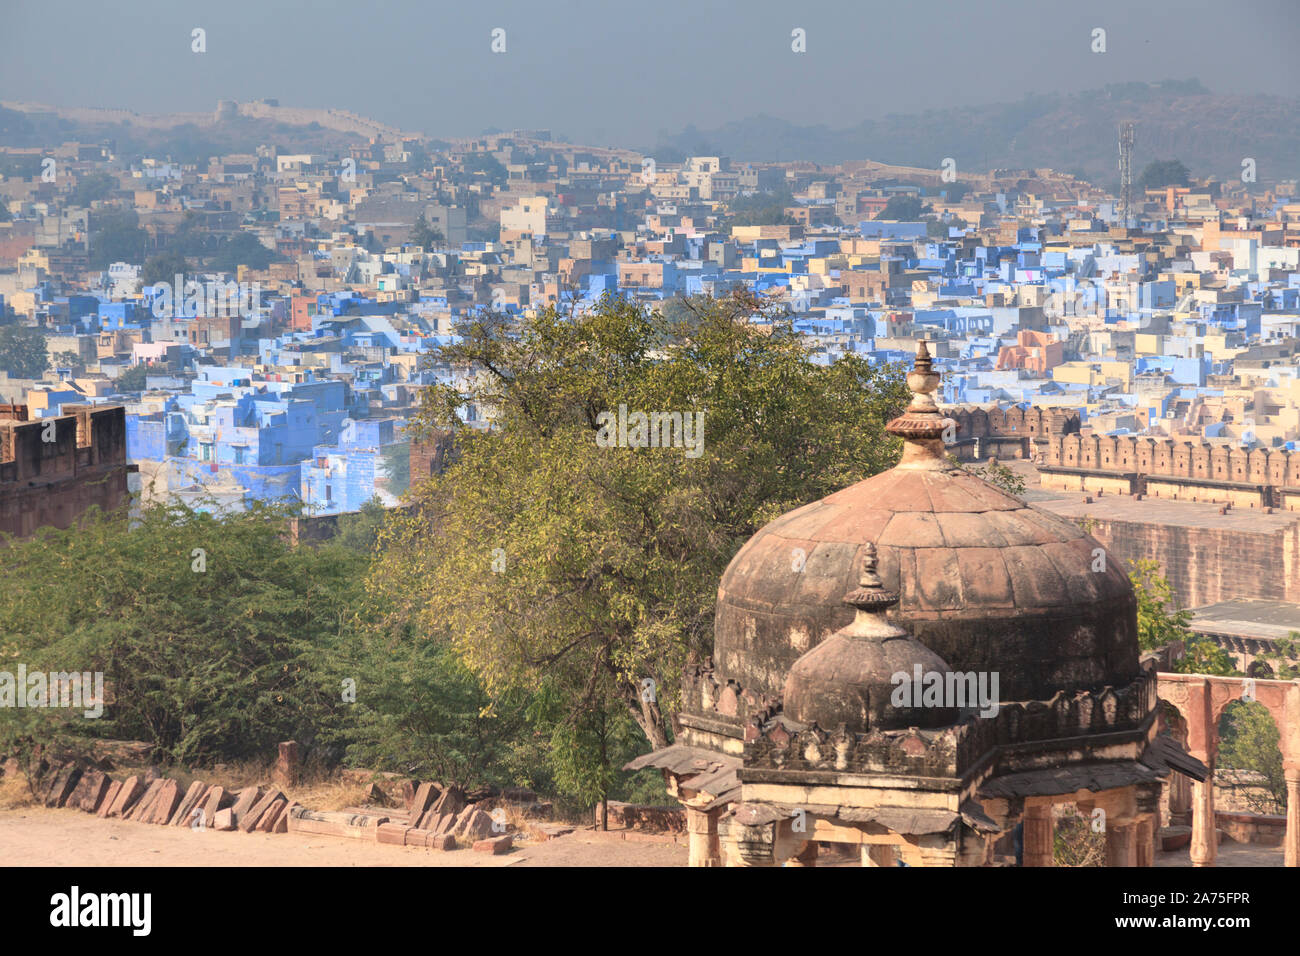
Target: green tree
[546,559]
[132,378]
[92,187]
[22,351]
[1163,172]
[762,209]
[116,236]
[359,530]
[216,637]
[1000,476]
[1249,740]
[1284,660]
[241,249]
[66,359]
[903,209]
[938,228]
[420,711]
[424,235]
[1160,622]
[487,165]
[588,747]
[164,267]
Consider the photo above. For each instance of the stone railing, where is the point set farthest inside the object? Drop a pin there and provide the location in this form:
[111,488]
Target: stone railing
[778,743]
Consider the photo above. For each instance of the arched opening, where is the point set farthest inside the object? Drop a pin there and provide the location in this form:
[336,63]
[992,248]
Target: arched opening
[1262,670]
[1248,773]
[1175,819]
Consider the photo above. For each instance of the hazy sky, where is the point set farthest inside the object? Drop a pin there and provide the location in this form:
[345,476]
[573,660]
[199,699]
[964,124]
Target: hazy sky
[617,72]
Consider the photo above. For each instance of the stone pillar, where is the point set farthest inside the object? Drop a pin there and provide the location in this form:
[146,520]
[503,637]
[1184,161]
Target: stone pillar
[702,837]
[1145,835]
[877,854]
[1039,835]
[285,773]
[1205,838]
[1180,800]
[805,857]
[1292,837]
[1120,850]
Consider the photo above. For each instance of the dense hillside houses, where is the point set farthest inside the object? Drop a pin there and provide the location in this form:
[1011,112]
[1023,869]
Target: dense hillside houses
[268,319]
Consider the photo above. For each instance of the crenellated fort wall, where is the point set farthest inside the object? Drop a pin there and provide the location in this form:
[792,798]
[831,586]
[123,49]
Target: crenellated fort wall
[51,475]
[1171,468]
[994,432]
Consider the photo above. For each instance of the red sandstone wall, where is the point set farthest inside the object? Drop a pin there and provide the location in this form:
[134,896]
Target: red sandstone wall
[1174,458]
[1207,565]
[977,422]
[54,482]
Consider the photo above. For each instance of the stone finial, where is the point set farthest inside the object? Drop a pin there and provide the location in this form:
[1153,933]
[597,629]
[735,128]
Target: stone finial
[870,595]
[922,425]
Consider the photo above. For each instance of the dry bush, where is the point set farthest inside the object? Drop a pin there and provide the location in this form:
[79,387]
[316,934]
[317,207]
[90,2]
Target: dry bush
[1075,843]
[15,793]
[323,793]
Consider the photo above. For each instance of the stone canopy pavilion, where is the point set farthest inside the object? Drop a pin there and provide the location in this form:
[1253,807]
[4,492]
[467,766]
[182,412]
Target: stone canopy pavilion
[798,730]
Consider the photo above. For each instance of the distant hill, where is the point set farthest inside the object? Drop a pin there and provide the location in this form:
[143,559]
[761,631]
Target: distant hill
[189,137]
[1176,119]
[1211,133]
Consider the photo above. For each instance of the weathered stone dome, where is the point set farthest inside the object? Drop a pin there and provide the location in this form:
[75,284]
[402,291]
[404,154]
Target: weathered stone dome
[849,681]
[986,581]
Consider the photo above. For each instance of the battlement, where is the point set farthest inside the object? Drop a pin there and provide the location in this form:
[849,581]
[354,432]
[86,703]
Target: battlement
[984,431]
[90,437]
[778,743]
[1172,468]
[979,421]
[52,469]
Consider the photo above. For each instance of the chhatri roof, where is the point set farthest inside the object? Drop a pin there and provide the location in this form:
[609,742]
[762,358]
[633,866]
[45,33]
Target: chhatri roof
[984,579]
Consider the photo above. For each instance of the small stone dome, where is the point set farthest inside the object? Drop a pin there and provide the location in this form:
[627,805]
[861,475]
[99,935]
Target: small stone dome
[850,679]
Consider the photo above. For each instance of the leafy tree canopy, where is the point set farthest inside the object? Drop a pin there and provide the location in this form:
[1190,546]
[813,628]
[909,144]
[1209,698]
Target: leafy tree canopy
[1160,621]
[903,209]
[556,565]
[22,351]
[132,378]
[488,165]
[163,268]
[424,235]
[1163,172]
[214,635]
[116,236]
[242,249]
[92,187]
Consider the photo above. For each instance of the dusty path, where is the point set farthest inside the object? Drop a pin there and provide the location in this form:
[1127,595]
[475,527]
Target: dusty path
[1230,854]
[41,837]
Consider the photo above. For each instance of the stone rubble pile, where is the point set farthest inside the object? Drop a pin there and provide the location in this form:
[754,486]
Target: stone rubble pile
[435,816]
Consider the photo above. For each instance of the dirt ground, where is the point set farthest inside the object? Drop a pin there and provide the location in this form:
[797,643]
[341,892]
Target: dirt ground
[1230,854]
[35,836]
[41,837]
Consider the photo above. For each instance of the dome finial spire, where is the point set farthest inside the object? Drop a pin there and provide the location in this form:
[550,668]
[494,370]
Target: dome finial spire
[870,595]
[921,425]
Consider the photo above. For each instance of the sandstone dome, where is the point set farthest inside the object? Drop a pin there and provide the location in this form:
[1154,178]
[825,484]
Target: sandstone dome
[847,682]
[986,581]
